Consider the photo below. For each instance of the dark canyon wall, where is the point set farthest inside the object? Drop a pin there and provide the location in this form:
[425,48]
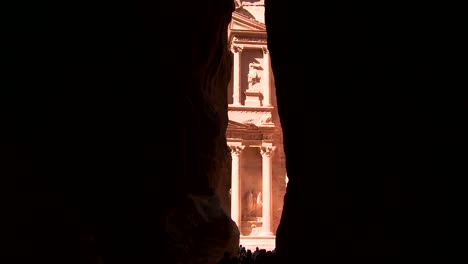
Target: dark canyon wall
[370,104]
[114,119]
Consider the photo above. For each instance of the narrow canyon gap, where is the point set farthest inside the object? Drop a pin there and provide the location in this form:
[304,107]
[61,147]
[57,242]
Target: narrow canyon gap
[114,118]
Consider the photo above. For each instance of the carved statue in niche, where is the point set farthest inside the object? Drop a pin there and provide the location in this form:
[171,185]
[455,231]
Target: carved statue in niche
[250,204]
[238,4]
[253,76]
[258,204]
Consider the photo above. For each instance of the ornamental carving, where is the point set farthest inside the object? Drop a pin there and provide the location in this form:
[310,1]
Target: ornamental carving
[250,112]
[234,135]
[253,76]
[253,137]
[266,119]
[249,136]
[236,150]
[238,4]
[252,117]
[267,151]
[250,39]
[236,49]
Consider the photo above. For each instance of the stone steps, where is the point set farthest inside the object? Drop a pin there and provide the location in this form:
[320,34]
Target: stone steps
[262,242]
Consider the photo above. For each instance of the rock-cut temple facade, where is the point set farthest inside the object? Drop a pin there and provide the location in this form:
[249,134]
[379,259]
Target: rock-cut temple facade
[254,136]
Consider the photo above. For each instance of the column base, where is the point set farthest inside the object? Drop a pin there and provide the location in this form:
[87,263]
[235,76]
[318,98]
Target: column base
[252,98]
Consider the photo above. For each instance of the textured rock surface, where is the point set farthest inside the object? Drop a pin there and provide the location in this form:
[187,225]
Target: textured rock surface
[199,230]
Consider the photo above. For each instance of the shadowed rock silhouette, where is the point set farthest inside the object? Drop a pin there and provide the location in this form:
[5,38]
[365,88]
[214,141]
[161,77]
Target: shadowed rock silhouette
[114,114]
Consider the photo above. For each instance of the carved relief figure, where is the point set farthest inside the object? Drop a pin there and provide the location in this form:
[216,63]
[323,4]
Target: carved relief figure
[253,76]
[238,4]
[250,203]
[266,119]
[258,204]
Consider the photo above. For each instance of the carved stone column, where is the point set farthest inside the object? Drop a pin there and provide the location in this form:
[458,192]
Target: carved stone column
[266,77]
[236,88]
[266,152]
[235,185]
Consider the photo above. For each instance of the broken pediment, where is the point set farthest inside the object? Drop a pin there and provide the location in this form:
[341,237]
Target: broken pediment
[236,125]
[243,20]
[246,30]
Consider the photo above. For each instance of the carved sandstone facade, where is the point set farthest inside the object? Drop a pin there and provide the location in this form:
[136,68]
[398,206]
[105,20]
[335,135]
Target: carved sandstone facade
[258,179]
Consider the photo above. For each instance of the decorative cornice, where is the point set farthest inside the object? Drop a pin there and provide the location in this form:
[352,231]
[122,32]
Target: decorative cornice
[244,135]
[253,39]
[243,108]
[237,125]
[248,22]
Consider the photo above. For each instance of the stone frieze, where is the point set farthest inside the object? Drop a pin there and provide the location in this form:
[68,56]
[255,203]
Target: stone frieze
[256,117]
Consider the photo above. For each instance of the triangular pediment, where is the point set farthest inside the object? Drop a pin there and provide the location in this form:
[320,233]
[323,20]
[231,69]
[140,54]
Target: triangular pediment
[237,125]
[243,22]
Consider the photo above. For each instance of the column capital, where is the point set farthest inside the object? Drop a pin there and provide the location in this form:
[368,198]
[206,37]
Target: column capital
[266,151]
[265,50]
[236,149]
[236,48]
